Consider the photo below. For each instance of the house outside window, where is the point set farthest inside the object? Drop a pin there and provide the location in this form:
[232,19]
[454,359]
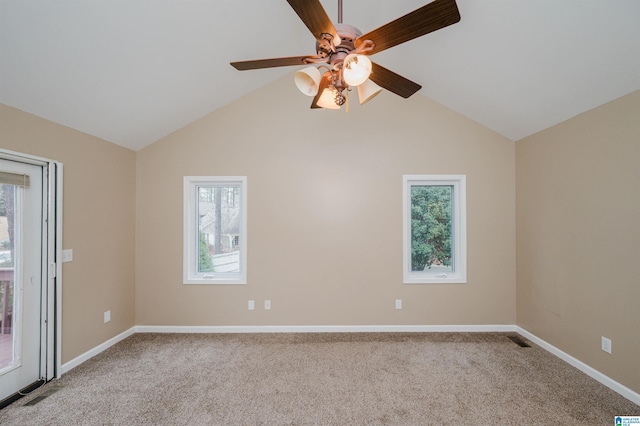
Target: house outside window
[434,229]
[215,236]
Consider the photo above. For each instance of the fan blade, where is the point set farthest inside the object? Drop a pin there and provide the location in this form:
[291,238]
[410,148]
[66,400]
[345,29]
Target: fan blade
[324,83]
[393,82]
[270,63]
[314,17]
[428,18]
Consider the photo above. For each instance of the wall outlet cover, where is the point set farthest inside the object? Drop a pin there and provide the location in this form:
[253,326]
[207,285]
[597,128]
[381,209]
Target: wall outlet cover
[67,255]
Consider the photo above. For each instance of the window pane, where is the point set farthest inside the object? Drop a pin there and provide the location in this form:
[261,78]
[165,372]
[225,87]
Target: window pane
[219,221]
[431,228]
[8,318]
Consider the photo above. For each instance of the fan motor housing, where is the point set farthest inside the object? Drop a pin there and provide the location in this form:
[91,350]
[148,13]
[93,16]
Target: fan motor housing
[348,35]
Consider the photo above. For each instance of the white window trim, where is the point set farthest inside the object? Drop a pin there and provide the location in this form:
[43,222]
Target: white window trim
[459,276]
[190,233]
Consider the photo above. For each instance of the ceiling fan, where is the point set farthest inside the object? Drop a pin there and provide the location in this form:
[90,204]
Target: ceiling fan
[342,52]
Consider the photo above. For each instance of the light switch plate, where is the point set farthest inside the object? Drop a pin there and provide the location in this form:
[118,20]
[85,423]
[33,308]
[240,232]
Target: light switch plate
[67,255]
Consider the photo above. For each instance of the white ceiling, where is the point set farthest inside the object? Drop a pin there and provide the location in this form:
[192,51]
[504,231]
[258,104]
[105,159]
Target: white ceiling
[133,71]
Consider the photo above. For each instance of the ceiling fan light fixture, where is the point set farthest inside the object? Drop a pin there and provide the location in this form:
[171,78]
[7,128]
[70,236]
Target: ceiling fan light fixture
[308,80]
[367,91]
[327,99]
[356,69]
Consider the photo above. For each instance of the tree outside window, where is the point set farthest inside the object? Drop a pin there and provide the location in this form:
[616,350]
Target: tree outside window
[431,227]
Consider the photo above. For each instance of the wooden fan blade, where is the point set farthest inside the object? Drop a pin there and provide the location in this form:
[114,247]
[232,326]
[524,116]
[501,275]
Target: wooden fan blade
[270,63]
[324,83]
[428,18]
[393,82]
[314,17]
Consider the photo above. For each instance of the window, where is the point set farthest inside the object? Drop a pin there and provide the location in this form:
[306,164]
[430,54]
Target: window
[434,229]
[215,230]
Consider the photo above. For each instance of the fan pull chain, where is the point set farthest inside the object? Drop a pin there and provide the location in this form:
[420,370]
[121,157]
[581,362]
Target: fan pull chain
[346,108]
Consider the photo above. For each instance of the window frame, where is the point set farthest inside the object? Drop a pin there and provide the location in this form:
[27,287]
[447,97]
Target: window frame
[191,238]
[459,225]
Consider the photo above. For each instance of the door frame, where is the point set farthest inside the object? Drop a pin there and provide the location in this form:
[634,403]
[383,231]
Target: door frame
[51,301]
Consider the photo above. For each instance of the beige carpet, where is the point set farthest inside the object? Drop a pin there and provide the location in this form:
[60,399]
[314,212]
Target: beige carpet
[322,379]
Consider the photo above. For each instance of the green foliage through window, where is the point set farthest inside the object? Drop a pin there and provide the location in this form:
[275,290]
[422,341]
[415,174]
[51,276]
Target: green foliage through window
[205,262]
[431,226]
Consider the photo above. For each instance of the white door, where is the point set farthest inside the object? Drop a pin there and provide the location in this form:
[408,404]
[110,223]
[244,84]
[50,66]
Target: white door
[22,275]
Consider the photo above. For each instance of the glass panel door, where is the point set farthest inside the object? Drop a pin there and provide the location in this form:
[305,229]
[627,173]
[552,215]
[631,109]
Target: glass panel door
[22,216]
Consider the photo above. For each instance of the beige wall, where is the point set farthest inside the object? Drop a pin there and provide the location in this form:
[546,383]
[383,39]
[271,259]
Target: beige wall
[325,213]
[578,250]
[325,241]
[99,212]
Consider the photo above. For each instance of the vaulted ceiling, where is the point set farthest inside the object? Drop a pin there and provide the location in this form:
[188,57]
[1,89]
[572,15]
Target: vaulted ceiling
[133,71]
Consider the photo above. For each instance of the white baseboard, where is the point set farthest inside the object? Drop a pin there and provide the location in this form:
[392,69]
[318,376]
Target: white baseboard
[589,371]
[67,366]
[325,329]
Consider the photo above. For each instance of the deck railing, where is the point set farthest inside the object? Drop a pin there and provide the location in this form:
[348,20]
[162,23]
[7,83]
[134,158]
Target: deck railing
[226,262]
[6,282]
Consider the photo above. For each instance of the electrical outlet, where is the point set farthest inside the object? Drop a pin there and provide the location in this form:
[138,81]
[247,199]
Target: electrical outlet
[606,344]
[251,305]
[107,316]
[267,305]
[398,303]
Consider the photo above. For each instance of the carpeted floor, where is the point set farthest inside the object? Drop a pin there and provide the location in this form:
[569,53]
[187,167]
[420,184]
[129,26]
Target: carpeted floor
[322,379]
